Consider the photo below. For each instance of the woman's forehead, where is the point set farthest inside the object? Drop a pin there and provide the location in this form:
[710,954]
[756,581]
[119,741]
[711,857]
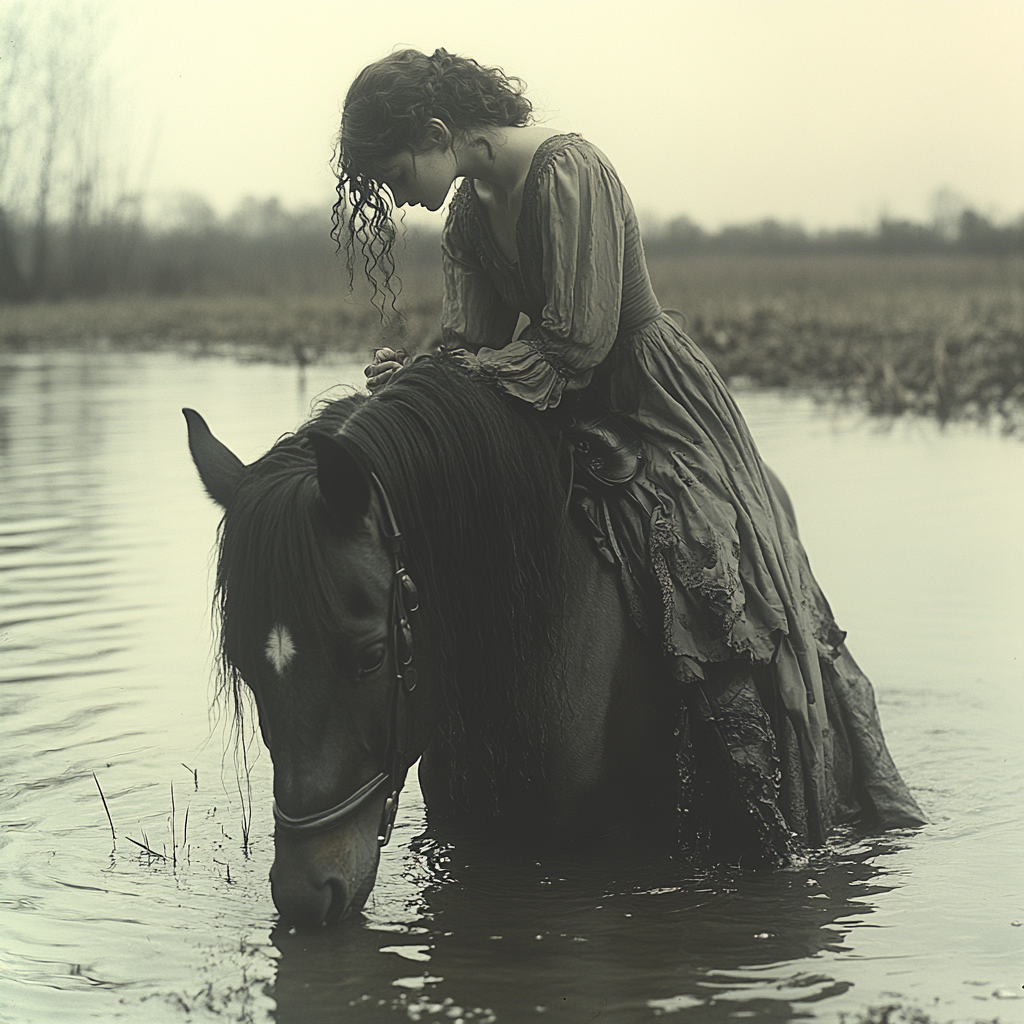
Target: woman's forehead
[365,170]
[388,167]
[377,167]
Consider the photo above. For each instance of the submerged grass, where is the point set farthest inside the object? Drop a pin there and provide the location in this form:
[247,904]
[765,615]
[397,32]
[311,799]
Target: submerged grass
[941,336]
[183,846]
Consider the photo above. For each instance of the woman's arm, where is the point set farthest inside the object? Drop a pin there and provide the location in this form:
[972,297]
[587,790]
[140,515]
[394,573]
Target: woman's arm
[473,313]
[582,213]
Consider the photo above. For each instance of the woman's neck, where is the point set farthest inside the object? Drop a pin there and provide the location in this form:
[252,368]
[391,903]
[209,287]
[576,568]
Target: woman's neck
[503,161]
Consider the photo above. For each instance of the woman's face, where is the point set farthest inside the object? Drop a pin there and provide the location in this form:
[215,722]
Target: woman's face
[420,179]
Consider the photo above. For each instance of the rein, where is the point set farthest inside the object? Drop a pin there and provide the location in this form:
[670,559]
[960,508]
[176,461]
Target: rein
[404,601]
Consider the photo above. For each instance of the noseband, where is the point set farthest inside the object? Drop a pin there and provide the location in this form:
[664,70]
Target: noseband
[404,601]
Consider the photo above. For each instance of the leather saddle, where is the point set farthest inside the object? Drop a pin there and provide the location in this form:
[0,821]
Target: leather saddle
[605,447]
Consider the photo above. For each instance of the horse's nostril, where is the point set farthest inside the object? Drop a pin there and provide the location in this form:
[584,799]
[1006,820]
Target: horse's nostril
[337,907]
[299,900]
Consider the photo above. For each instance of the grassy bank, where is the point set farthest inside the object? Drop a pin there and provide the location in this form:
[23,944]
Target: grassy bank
[274,327]
[941,336]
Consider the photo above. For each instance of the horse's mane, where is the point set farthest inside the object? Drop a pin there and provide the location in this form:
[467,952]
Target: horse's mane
[475,488]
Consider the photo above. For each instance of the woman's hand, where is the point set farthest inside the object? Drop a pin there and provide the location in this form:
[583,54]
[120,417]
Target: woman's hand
[386,363]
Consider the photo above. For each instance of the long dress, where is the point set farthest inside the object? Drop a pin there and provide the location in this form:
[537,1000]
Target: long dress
[710,563]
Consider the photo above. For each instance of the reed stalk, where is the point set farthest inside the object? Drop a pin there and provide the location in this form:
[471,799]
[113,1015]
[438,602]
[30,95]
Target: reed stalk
[245,799]
[174,834]
[105,807]
[145,846]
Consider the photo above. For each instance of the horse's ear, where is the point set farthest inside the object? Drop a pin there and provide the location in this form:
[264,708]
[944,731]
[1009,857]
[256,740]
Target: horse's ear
[344,482]
[219,468]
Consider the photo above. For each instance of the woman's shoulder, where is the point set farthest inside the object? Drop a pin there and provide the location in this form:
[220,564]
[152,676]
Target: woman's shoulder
[569,155]
[560,156]
[569,147]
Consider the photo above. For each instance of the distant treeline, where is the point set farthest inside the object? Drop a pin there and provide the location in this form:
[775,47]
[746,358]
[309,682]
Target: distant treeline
[968,232]
[264,249]
[71,199]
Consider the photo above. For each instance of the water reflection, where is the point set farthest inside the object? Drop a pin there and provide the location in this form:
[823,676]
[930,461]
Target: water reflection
[105,540]
[579,937]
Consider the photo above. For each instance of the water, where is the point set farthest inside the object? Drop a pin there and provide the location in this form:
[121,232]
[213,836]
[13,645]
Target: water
[914,533]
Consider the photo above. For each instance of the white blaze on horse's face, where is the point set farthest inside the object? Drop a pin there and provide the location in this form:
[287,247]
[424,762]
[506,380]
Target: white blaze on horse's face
[280,648]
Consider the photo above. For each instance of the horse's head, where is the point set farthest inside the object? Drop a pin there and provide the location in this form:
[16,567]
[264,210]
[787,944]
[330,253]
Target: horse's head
[315,612]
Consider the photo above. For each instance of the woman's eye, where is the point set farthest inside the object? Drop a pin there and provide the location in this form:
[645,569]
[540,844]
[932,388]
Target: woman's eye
[372,659]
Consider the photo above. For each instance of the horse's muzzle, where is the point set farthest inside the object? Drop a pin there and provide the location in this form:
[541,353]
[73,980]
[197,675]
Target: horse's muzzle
[323,879]
[303,902]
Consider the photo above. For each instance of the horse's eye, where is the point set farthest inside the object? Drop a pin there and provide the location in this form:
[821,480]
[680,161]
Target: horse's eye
[372,659]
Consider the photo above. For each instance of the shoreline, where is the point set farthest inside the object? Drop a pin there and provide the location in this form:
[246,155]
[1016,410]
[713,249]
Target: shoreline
[939,339]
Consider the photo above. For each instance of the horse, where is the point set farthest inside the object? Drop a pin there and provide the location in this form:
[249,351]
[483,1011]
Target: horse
[404,578]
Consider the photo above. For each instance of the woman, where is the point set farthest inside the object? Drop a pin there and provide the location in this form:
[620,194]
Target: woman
[710,562]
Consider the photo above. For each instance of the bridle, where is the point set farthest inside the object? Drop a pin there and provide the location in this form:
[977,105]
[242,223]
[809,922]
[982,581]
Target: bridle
[404,601]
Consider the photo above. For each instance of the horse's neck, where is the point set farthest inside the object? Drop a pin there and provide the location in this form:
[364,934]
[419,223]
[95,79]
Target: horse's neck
[600,733]
[601,755]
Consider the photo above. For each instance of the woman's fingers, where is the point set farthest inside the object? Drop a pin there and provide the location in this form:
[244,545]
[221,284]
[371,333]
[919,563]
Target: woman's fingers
[386,363]
[376,369]
[381,374]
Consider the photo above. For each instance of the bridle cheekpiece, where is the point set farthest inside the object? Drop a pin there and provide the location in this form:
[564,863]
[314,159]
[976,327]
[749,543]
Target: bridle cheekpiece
[404,602]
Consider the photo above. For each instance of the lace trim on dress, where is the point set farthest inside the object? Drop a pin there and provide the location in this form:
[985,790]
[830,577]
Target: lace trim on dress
[461,214]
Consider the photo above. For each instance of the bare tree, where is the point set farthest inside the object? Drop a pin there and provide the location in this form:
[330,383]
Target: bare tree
[13,116]
[54,108]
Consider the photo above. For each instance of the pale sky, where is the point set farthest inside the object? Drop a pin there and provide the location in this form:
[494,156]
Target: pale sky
[827,112]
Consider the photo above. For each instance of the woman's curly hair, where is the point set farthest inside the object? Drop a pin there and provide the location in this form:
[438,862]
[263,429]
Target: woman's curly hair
[386,112]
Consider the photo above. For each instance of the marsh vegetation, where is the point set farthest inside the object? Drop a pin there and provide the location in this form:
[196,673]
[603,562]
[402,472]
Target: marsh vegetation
[935,334]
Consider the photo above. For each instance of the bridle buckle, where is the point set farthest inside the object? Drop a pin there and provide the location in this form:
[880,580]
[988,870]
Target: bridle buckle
[387,819]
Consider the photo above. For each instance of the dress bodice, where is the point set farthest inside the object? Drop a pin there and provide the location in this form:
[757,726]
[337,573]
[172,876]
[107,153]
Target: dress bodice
[580,276]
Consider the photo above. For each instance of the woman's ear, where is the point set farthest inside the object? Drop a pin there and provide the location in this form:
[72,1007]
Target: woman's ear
[437,134]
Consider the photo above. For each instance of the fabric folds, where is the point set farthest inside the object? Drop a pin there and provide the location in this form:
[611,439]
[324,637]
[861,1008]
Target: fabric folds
[711,566]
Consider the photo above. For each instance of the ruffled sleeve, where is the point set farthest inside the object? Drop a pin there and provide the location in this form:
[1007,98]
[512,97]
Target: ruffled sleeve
[473,312]
[579,210]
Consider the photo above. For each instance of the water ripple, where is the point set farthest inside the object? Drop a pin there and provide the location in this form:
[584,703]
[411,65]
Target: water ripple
[105,571]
